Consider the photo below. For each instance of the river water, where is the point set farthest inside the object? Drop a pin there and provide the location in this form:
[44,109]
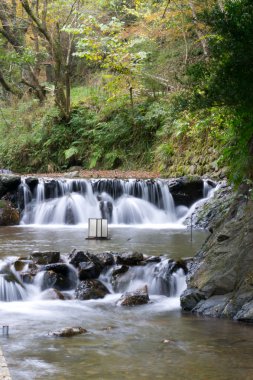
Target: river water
[154,341]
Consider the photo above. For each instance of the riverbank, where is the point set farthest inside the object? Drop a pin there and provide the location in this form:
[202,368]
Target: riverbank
[220,279]
[77,172]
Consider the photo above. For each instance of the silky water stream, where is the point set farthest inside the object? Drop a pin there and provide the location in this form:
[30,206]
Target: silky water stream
[153,341]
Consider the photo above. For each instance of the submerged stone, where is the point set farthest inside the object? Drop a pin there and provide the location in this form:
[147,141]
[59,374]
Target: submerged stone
[68,332]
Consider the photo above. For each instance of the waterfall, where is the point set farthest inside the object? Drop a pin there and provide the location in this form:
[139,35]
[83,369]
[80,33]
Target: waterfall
[162,276]
[66,201]
[121,202]
[11,287]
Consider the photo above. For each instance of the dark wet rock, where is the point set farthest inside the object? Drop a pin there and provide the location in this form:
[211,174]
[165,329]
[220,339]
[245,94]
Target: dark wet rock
[129,258]
[137,297]
[45,257]
[9,183]
[176,265]
[90,289]
[77,257]
[88,270]
[186,190]
[59,276]
[106,258]
[68,332]
[32,182]
[222,270]
[119,269]
[9,216]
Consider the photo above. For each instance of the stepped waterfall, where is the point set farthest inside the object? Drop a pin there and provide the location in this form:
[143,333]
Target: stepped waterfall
[74,201]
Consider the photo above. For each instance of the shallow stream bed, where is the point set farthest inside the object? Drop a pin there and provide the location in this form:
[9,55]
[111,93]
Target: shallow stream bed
[154,341]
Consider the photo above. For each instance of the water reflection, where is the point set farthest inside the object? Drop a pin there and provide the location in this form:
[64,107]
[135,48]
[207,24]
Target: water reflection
[173,242]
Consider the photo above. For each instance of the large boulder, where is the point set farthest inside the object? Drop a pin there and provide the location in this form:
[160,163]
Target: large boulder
[186,190]
[90,289]
[220,278]
[9,183]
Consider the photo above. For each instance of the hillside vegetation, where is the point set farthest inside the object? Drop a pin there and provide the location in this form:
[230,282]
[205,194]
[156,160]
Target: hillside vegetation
[161,85]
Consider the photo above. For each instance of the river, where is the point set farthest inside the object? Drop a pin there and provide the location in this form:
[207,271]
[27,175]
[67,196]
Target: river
[154,341]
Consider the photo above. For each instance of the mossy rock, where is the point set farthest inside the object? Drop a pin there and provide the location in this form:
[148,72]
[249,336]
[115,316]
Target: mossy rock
[9,216]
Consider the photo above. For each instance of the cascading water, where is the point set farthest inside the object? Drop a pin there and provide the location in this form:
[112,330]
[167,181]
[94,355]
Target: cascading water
[163,278]
[119,201]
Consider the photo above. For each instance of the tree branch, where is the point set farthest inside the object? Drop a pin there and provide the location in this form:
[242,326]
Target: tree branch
[42,28]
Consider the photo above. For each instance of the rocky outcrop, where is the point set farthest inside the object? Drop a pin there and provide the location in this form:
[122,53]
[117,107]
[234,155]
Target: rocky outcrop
[211,211]
[220,279]
[9,183]
[186,191]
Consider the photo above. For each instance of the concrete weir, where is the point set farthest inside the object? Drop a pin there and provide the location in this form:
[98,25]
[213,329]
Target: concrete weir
[4,371]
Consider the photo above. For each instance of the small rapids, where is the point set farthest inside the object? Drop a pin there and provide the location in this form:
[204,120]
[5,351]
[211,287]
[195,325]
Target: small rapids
[26,280]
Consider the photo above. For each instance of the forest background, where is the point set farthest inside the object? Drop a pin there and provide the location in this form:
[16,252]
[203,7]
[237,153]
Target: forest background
[155,85]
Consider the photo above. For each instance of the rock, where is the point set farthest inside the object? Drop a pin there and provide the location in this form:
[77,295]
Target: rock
[77,257]
[32,182]
[45,257]
[90,289]
[190,298]
[106,259]
[209,213]
[222,270]
[179,264]
[186,190]
[213,306]
[9,216]
[138,297]
[68,332]
[59,276]
[118,270]
[246,313]
[129,258]
[88,270]
[9,183]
